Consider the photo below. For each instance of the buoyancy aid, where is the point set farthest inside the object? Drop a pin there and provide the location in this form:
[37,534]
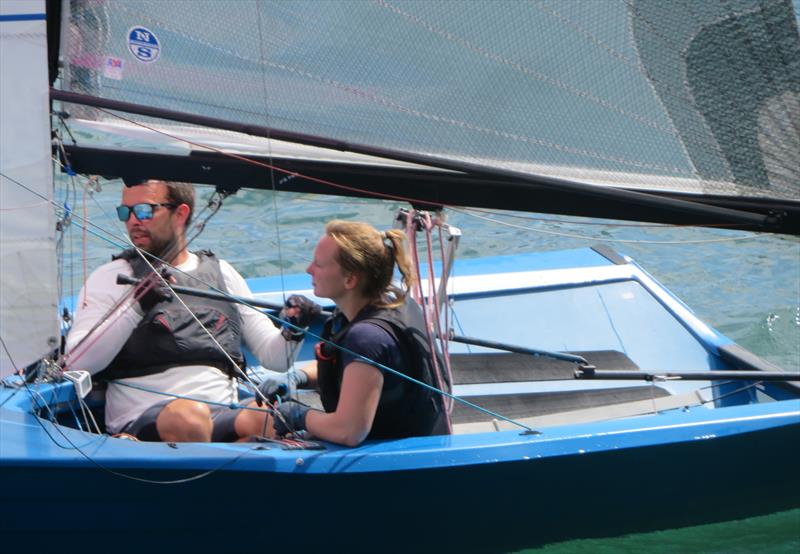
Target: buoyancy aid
[169,336]
[405,408]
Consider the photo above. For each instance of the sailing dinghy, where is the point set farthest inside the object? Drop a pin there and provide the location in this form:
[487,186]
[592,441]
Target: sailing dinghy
[587,399]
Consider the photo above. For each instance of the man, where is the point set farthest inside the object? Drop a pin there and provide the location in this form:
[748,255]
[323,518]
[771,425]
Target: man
[160,363]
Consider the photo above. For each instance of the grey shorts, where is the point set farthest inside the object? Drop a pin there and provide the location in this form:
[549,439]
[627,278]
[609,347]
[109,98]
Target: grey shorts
[144,427]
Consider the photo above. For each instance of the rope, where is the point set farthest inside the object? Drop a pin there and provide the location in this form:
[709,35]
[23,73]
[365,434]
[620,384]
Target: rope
[427,224]
[444,338]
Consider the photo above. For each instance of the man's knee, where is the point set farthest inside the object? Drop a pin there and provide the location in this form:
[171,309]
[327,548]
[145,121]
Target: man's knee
[253,422]
[185,421]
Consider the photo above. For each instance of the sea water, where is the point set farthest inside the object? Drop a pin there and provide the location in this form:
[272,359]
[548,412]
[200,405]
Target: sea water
[744,284]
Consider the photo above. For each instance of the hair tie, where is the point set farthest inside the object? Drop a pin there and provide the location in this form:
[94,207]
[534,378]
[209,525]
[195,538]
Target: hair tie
[387,242]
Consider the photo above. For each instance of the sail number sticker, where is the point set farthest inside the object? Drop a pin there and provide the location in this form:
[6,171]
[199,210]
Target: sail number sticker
[143,44]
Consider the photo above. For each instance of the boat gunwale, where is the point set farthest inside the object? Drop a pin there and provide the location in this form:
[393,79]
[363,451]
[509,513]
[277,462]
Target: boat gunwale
[676,425]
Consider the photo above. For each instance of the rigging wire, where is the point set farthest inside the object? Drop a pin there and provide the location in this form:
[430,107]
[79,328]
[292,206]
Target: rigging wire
[288,350]
[229,405]
[607,223]
[65,210]
[106,322]
[131,291]
[86,410]
[355,355]
[77,420]
[272,168]
[290,325]
[215,204]
[359,358]
[69,359]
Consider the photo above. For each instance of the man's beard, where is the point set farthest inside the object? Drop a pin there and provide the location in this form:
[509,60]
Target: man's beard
[163,248]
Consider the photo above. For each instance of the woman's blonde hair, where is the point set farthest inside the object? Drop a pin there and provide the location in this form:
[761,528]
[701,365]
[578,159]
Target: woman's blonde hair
[372,255]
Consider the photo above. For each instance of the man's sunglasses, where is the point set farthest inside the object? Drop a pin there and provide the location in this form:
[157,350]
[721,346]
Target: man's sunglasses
[141,211]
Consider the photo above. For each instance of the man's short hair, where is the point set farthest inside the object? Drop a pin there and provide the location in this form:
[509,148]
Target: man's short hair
[181,193]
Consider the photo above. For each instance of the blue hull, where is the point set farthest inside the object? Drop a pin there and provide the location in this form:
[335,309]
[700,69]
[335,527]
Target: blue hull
[478,493]
[711,461]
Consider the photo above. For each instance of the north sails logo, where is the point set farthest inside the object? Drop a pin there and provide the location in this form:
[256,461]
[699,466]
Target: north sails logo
[143,44]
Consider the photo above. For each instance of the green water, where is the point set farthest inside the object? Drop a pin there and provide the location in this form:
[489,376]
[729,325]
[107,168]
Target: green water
[776,534]
[748,289]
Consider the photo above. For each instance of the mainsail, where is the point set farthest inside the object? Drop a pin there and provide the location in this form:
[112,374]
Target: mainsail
[29,295]
[697,99]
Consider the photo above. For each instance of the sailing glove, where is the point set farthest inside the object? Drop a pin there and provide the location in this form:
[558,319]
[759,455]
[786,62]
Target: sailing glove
[290,417]
[304,310]
[151,289]
[280,385]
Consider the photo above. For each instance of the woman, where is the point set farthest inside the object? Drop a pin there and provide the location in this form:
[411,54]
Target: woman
[353,266]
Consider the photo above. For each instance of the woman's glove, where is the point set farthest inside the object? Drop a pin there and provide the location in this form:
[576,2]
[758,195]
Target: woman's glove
[280,385]
[290,418]
[300,312]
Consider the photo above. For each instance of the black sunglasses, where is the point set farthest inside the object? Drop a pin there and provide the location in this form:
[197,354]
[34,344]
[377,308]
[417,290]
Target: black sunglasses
[141,211]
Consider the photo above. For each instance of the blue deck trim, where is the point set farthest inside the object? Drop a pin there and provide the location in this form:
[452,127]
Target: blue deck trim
[539,288]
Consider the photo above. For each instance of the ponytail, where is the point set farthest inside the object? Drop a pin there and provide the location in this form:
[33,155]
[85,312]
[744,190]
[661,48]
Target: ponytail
[395,242]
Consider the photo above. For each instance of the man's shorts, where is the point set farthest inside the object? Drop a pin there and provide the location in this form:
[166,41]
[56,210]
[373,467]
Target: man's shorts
[144,427]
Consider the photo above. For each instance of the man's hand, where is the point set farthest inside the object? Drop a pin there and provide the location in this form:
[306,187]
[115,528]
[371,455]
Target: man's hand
[280,385]
[290,417]
[152,289]
[300,312]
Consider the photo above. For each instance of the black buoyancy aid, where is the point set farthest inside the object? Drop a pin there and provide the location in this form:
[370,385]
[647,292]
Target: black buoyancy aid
[405,408]
[169,336]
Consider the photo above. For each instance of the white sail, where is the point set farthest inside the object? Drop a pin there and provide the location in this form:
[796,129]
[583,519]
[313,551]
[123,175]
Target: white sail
[700,100]
[28,296]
